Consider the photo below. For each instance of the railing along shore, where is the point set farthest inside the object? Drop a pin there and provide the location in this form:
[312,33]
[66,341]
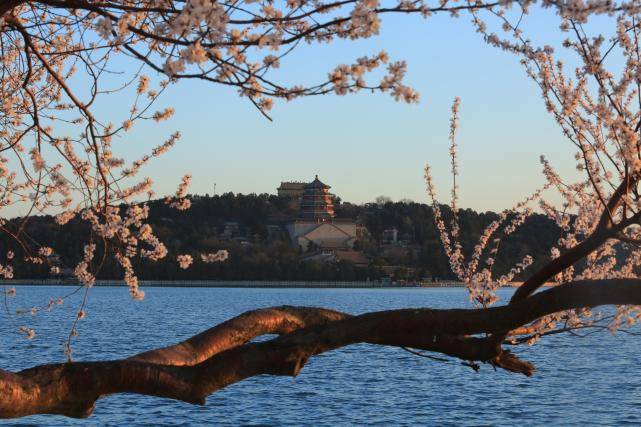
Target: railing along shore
[238,283]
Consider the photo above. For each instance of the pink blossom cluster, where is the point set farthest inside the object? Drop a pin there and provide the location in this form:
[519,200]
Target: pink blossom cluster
[481,283]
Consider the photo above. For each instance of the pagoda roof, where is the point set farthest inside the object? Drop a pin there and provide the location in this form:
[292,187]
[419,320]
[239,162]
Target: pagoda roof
[316,183]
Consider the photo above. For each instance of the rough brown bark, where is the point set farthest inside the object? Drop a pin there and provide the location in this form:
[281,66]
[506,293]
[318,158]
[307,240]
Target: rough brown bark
[195,368]
[237,331]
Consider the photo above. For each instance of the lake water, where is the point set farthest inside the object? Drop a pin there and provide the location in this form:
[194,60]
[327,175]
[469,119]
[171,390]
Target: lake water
[593,380]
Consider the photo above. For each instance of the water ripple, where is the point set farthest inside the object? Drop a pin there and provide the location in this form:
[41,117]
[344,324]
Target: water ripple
[579,381]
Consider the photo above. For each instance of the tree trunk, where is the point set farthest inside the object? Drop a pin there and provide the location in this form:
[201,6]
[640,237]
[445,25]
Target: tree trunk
[223,355]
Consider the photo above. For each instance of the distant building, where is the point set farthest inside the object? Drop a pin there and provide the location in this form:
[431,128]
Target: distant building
[316,226]
[390,236]
[316,203]
[231,229]
[330,234]
[291,189]
[356,258]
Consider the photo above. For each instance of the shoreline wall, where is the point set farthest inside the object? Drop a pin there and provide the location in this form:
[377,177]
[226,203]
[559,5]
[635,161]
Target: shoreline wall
[235,284]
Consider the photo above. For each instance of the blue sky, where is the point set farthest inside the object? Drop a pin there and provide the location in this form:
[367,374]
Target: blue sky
[368,145]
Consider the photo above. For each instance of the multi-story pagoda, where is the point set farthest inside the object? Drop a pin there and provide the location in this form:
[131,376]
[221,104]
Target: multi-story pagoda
[316,203]
[316,227]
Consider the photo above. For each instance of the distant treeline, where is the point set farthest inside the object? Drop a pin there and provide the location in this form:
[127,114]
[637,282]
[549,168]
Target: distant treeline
[260,248]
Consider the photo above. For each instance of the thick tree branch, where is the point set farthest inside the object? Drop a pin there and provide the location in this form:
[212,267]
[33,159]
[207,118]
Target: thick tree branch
[72,388]
[557,265]
[8,5]
[239,330]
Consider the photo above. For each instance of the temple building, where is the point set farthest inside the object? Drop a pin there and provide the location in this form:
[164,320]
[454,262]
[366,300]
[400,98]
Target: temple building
[316,202]
[316,228]
[291,189]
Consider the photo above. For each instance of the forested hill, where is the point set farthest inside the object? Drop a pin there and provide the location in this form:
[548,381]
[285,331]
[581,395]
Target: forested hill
[251,227]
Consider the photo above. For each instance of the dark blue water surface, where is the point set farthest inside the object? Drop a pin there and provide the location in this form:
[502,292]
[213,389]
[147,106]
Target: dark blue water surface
[593,380]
